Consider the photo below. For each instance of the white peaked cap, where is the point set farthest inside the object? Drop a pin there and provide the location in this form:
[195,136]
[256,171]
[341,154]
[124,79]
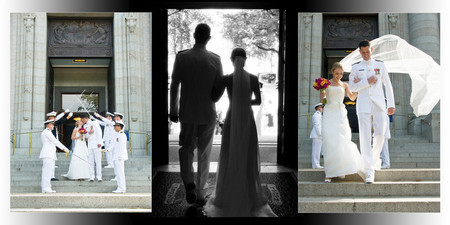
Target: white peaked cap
[49,121]
[318,104]
[51,113]
[118,114]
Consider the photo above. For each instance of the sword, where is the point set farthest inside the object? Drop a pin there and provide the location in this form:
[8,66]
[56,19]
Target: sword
[77,96]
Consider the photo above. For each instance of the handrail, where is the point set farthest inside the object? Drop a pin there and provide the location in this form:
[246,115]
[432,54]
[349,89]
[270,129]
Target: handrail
[14,140]
[146,133]
[147,141]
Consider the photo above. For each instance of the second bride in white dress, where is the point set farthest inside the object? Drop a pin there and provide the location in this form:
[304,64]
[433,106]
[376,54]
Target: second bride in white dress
[341,156]
[79,164]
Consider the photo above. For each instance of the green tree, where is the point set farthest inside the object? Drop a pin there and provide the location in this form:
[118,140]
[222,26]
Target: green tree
[90,102]
[254,30]
[181,25]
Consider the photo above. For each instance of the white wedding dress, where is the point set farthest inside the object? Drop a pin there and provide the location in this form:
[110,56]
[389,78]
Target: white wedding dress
[79,164]
[238,191]
[341,156]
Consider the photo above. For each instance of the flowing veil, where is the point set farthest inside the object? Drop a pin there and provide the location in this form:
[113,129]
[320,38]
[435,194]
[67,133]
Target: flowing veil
[401,57]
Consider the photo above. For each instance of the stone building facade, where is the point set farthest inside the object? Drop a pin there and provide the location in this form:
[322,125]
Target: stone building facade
[54,55]
[324,38]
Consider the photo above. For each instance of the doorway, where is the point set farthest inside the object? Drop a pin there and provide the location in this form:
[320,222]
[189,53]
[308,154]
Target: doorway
[80,88]
[258,34]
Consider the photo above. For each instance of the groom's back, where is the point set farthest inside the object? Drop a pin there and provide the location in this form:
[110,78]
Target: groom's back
[197,69]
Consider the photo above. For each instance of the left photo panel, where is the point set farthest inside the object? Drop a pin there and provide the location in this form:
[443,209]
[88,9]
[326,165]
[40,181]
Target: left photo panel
[80,112]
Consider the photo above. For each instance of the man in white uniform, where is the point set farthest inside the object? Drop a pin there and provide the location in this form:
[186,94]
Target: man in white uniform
[95,142]
[48,155]
[367,77]
[108,133]
[119,147]
[316,136]
[197,70]
[59,119]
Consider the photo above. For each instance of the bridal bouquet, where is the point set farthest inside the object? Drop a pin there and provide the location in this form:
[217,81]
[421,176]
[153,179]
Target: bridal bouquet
[321,84]
[82,131]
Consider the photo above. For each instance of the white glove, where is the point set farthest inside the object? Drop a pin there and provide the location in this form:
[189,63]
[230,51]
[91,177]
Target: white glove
[67,110]
[66,150]
[105,150]
[90,116]
[70,114]
[96,114]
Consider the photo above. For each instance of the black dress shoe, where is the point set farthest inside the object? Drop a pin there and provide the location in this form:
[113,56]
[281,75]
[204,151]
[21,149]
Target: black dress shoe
[54,179]
[191,197]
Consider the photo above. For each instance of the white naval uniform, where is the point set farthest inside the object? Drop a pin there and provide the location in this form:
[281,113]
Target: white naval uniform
[385,160]
[120,154]
[371,108]
[95,153]
[316,136]
[48,156]
[108,133]
[58,117]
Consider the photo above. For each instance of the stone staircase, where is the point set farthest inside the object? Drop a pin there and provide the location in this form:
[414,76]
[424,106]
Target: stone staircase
[411,185]
[79,196]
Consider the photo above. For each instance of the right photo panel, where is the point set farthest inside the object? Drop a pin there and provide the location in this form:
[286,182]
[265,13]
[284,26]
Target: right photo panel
[369,112]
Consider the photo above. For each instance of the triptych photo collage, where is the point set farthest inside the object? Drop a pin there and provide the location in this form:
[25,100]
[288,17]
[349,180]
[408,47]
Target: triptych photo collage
[196,111]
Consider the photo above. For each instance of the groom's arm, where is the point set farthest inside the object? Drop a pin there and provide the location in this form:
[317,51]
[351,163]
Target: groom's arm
[174,95]
[356,86]
[389,90]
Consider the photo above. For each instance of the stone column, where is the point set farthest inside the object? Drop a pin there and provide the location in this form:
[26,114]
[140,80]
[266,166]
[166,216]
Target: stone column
[132,71]
[397,24]
[309,67]
[424,33]
[28,77]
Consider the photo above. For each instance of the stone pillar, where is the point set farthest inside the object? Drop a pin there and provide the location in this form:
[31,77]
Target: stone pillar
[28,77]
[309,67]
[132,52]
[397,24]
[424,33]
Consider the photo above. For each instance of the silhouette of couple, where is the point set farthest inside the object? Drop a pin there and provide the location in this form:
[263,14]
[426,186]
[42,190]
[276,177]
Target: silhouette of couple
[238,190]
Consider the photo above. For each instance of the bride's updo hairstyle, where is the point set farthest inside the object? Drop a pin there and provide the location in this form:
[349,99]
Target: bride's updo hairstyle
[336,65]
[238,52]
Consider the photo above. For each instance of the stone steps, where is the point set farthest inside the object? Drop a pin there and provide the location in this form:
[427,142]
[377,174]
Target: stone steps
[381,175]
[393,165]
[390,204]
[79,196]
[394,190]
[105,202]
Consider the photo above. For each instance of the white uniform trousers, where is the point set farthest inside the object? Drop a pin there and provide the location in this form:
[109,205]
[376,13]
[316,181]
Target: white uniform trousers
[119,167]
[316,151]
[386,162]
[108,154]
[95,163]
[377,120]
[48,165]
[194,136]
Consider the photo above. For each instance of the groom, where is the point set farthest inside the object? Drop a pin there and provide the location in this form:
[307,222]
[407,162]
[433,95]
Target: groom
[95,142]
[367,77]
[197,70]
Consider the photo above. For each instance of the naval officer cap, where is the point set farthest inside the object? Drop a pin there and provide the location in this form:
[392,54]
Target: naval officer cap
[317,105]
[51,114]
[119,123]
[111,114]
[49,121]
[118,114]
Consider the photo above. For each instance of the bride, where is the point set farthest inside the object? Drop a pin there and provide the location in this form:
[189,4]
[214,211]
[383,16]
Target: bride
[238,191]
[79,164]
[340,154]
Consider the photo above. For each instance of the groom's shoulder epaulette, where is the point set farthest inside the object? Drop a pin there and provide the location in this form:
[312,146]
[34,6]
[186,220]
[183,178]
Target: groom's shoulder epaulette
[379,60]
[356,63]
[182,51]
[214,54]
